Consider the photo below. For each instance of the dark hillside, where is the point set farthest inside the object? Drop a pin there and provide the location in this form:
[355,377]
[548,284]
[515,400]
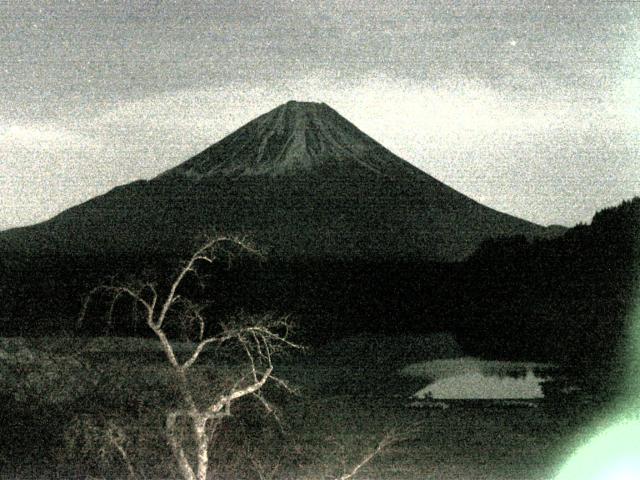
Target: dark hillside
[564,299]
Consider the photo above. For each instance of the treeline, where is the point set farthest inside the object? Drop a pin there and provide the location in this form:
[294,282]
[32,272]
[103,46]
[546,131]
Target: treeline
[565,299]
[328,300]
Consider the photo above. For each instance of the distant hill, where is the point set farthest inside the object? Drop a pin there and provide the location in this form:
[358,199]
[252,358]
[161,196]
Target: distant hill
[302,181]
[567,299]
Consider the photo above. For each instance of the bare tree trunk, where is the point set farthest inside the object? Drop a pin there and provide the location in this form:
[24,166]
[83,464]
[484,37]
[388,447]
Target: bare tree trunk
[183,463]
[202,446]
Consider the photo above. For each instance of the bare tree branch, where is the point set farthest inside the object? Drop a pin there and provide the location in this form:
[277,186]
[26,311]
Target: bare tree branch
[385,442]
[116,436]
[117,292]
[178,452]
[225,401]
[196,353]
[285,385]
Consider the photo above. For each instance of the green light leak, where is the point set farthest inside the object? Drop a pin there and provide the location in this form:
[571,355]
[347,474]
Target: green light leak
[613,453]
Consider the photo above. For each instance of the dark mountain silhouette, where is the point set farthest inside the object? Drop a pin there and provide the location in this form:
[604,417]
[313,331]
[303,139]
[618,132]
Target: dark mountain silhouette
[569,299]
[302,181]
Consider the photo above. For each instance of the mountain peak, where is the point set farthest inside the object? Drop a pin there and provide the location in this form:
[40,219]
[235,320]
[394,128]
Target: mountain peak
[296,117]
[298,105]
[293,138]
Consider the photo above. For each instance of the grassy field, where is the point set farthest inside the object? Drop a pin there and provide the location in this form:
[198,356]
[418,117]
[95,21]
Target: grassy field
[340,414]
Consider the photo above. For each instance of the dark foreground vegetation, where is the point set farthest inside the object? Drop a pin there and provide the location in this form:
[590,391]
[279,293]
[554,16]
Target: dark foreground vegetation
[118,390]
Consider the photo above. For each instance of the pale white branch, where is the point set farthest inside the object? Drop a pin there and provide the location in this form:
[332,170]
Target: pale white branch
[271,410]
[225,401]
[117,292]
[388,440]
[185,467]
[285,385]
[205,254]
[116,437]
[367,458]
[196,353]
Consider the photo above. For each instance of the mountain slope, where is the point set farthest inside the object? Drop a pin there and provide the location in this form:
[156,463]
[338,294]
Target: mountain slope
[295,138]
[301,181]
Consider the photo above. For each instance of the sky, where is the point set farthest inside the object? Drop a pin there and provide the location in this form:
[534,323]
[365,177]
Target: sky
[530,107]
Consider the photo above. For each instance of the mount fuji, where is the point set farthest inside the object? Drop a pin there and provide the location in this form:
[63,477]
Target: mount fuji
[301,181]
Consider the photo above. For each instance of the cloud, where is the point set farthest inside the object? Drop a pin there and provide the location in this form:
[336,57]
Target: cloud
[452,111]
[454,129]
[45,168]
[44,138]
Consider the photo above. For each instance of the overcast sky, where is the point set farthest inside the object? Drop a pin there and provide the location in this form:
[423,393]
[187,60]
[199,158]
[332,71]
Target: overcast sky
[530,107]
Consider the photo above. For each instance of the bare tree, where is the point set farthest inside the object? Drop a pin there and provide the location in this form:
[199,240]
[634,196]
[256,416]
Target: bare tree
[259,338]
